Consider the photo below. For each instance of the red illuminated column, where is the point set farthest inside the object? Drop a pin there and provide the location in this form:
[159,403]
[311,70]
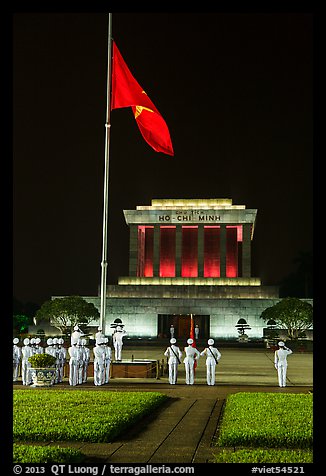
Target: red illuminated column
[222,251]
[212,252]
[156,250]
[148,255]
[167,252]
[140,250]
[231,252]
[178,250]
[200,251]
[189,261]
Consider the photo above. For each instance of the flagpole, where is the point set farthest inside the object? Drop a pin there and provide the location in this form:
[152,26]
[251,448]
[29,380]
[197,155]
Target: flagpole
[106,181]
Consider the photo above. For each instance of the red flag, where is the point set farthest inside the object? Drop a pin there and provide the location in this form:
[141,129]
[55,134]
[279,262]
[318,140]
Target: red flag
[127,92]
[192,330]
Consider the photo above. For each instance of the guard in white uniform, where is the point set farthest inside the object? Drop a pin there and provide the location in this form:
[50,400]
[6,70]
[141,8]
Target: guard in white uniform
[107,360]
[172,331]
[56,353]
[27,352]
[280,362]
[76,335]
[174,354]
[117,342]
[192,355]
[99,334]
[17,353]
[212,357]
[196,332]
[62,354]
[99,355]
[50,349]
[86,359]
[32,344]
[74,354]
[38,348]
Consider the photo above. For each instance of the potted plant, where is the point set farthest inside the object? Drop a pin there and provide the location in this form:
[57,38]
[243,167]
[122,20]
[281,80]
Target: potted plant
[43,370]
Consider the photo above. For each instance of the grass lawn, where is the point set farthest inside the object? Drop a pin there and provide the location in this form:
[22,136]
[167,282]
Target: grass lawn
[45,454]
[266,427]
[78,415]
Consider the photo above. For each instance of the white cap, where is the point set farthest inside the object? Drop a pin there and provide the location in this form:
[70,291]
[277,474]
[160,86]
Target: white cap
[16,340]
[190,341]
[49,341]
[173,340]
[99,328]
[281,344]
[76,328]
[55,340]
[33,340]
[26,341]
[210,342]
[60,340]
[83,342]
[37,340]
[119,328]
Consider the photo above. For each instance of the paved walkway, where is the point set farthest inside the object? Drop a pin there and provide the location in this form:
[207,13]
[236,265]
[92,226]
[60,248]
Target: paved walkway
[184,428]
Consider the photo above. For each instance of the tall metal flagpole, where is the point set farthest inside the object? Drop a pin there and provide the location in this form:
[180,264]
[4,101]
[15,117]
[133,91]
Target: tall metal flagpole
[106,182]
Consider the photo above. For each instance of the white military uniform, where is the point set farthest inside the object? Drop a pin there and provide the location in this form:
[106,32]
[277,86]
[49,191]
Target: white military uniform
[99,355]
[212,357]
[62,353]
[74,354]
[56,353]
[117,342]
[17,353]
[32,344]
[99,335]
[196,332]
[50,349]
[107,360]
[86,358]
[172,331]
[76,335]
[38,348]
[174,354]
[280,362]
[192,354]
[27,352]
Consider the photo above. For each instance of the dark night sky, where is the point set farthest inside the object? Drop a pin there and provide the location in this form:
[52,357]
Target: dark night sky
[236,93]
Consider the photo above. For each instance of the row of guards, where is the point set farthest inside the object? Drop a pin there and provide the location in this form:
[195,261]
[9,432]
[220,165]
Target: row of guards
[192,355]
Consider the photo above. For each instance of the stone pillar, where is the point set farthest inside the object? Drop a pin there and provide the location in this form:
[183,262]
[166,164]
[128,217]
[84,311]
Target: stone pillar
[178,250]
[223,251]
[156,251]
[246,250]
[133,249]
[200,251]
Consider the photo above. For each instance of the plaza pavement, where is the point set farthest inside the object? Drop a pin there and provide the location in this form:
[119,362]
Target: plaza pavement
[183,430]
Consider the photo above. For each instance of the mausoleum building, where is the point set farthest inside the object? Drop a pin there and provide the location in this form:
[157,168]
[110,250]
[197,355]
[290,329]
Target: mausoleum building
[189,257]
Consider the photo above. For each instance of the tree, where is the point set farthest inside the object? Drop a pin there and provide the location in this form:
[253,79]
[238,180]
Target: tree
[65,313]
[21,323]
[292,314]
[23,314]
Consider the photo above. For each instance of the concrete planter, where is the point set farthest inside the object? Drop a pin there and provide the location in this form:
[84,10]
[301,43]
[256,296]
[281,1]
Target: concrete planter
[43,377]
